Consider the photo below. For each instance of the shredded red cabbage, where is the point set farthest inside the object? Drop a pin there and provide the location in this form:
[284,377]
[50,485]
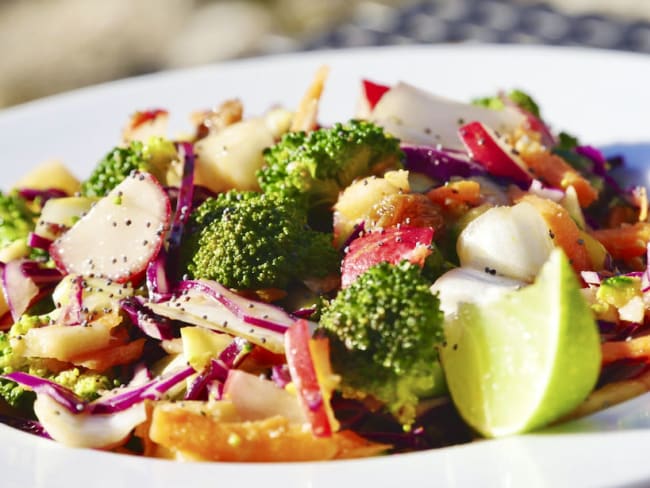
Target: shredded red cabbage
[440,163]
[151,324]
[31,194]
[258,314]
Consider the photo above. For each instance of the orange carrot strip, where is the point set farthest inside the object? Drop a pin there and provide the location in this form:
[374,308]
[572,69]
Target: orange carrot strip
[564,231]
[634,348]
[626,241]
[557,172]
[455,192]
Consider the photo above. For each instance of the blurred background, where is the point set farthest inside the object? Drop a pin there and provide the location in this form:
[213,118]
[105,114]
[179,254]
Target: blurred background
[50,46]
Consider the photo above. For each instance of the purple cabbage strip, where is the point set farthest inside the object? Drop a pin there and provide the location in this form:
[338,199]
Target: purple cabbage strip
[38,242]
[24,282]
[599,167]
[151,390]
[31,194]
[26,425]
[185,195]
[157,280]
[149,323]
[280,375]
[200,194]
[357,232]
[439,163]
[39,274]
[230,305]
[218,368]
[304,313]
[214,371]
[62,395]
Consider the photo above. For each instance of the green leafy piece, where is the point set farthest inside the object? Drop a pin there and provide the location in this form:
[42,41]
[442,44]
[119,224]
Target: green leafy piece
[247,240]
[384,329]
[518,97]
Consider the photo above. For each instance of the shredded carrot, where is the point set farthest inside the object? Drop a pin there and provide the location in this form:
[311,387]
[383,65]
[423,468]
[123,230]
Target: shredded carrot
[456,192]
[306,116]
[625,242]
[554,170]
[634,348]
[563,230]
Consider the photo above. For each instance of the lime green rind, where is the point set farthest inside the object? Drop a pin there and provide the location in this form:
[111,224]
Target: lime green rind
[519,363]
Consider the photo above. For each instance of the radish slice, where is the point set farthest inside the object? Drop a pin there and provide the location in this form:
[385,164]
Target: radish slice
[416,116]
[486,148]
[390,245]
[120,234]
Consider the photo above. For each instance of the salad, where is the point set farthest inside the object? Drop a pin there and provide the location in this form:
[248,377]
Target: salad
[267,289]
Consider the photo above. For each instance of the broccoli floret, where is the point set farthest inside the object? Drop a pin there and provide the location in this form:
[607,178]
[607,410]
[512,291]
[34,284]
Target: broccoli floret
[153,157]
[86,385]
[16,219]
[384,329]
[518,97]
[247,240]
[317,166]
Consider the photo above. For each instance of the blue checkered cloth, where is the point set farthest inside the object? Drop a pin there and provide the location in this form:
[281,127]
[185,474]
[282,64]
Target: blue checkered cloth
[493,21]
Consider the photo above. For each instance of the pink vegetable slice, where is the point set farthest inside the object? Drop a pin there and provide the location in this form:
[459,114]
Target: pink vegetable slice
[120,235]
[485,147]
[390,245]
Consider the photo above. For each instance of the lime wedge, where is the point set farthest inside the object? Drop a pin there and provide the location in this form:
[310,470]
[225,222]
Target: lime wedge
[524,360]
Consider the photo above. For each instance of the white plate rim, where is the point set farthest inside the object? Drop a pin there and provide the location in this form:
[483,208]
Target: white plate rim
[535,459]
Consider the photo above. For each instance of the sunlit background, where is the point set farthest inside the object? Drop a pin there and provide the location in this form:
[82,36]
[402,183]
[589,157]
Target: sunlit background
[50,46]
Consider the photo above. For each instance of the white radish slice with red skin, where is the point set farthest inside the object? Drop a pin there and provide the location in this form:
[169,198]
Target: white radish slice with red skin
[416,116]
[119,235]
[87,430]
[498,158]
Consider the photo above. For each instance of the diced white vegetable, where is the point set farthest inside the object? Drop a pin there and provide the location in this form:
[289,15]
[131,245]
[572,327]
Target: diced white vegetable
[231,157]
[507,241]
[462,285]
[59,214]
